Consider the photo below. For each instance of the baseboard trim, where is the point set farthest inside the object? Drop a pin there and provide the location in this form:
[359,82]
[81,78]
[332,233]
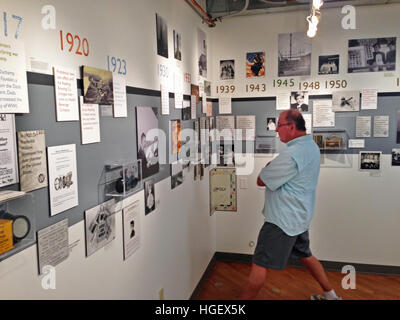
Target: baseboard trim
[204,278]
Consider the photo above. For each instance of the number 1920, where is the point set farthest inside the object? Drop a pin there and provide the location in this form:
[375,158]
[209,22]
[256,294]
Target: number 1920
[71,41]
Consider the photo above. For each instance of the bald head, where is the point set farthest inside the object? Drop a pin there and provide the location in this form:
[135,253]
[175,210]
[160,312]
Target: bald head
[294,116]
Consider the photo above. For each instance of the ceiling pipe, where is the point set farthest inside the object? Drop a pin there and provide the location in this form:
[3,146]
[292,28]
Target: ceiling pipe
[206,18]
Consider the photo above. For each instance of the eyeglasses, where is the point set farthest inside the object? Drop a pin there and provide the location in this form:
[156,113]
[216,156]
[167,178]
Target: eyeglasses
[283,124]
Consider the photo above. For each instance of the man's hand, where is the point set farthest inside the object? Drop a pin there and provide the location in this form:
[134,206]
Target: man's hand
[260,183]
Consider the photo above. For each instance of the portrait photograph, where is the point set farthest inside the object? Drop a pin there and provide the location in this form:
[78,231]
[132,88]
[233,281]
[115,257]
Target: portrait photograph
[176,174]
[299,100]
[255,64]
[162,36]
[149,196]
[372,55]
[97,86]
[177,46]
[328,64]
[207,88]
[345,101]
[395,157]
[294,54]
[186,112]
[147,142]
[202,52]
[271,124]
[227,69]
[370,160]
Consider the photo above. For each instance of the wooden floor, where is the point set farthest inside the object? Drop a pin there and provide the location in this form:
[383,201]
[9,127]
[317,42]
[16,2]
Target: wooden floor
[227,279]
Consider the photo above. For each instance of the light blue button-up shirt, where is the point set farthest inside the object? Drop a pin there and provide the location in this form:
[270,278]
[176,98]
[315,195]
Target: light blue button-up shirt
[291,182]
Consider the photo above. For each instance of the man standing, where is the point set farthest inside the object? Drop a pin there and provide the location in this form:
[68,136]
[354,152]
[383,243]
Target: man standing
[291,181]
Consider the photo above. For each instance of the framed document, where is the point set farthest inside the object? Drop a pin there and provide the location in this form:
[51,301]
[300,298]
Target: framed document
[223,190]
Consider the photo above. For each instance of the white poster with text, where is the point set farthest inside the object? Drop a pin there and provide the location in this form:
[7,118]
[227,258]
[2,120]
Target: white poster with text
[66,94]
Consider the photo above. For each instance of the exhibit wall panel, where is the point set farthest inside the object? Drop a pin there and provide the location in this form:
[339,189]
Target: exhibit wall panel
[176,245]
[236,36]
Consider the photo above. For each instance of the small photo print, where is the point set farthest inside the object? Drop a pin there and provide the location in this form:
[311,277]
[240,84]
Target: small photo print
[346,101]
[328,64]
[395,157]
[97,86]
[271,124]
[227,69]
[207,88]
[162,36]
[149,196]
[370,160]
[299,101]
[177,46]
[255,64]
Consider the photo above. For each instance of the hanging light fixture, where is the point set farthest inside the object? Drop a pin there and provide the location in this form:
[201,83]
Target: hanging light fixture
[313,18]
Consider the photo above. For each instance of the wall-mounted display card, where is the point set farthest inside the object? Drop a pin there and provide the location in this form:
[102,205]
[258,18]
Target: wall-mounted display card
[207,88]
[202,52]
[223,190]
[283,100]
[204,104]
[176,174]
[131,228]
[370,160]
[381,126]
[97,86]
[308,120]
[225,105]
[100,226]
[147,139]
[345,101]
[209,111]
[225,127]
[369,99]
[120,104]
[371,55]
[246,127]
[357,143]
[193,106]
[164,99]
[149,196]
[162,36]
[363,126]
[13,84]
[227,69]
[32,160]
[299,101]
[177,45]
[186,110]
[395,157]
[66,94]
[195,90]
[176,141]
[53,244]
[8,151]
[90,122]
[63,179]
[294,54]
[106,111]
[255,64]
[178,89]
[323,116]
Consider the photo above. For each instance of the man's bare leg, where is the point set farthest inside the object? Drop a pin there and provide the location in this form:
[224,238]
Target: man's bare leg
[317,271]
[254,283]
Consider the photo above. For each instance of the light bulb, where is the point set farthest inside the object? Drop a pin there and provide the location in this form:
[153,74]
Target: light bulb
[317,4]
[311,32]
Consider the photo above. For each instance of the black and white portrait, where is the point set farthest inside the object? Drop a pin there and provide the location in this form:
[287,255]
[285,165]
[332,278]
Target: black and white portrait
[177,46]
[372,55]
[345,101]
[328,64]
[271,124]
[370,160]
[97,86]
[227,69]
[149,196]
[294,54]
[207,88]
[162,36]
[176,174]
[147,139]
[395,157]
[202,52]
[299,101]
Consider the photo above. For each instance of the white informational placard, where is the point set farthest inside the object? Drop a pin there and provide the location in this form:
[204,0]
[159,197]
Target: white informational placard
[245,127]
[308,120]
[225,127]
[204,104]
[53,244]
[90,122]
[13,84]
[357,143]
[369,99]
[8,151]
[381,126]
[209,111]
[225,105]
[363,126]
[131,227]
[164,99]
[323,116]
[32,160]
[178,89]
[283,101]
[66,94]
[120,104]
[63,179]
[193,106]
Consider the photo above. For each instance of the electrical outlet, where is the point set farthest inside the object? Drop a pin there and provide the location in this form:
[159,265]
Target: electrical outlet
[161,294]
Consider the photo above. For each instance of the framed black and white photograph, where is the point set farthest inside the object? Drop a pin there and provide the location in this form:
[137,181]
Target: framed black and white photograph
[345,101]
[177,46]
[162,36]
[328,64]
[97,86]
[202,52]
[227,69]
[271,124]
[186,112]
[372,55]
[147,139]
[207,88]
[370,160]
[100,226]
[299,100]
[176,174]
[149,196]
[395,157]
[294,54]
